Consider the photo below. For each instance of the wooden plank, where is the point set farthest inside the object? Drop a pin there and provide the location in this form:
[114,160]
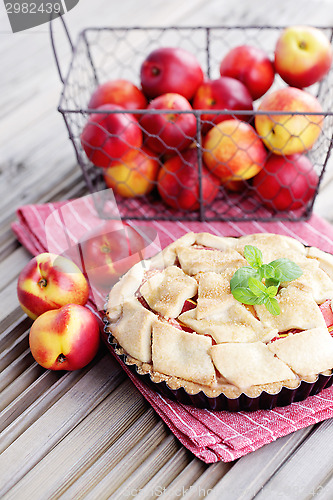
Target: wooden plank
[70,185]
[324,203]
[10,307]
[10,310]
[19,386]
[202,487]
[250,472]
[143,454]
[142,434]
[39,407]
[73,455]
[183,482]
[35,186]
[56,423]
[15,330]
[15,369]
[325,490]
[12,266]
[161,481]
[163,453]
[17,348]
[301,476]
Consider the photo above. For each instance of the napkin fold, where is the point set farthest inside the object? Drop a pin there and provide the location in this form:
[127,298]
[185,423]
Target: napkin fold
[210,435]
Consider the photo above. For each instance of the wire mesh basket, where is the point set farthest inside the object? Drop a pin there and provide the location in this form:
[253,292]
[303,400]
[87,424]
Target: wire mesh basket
[102,54]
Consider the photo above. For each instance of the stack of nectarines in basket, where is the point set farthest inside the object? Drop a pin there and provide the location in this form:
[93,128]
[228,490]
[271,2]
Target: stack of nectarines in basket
[193,137]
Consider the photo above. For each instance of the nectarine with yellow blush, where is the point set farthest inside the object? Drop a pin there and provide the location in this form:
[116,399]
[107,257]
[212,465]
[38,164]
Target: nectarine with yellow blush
[232,151]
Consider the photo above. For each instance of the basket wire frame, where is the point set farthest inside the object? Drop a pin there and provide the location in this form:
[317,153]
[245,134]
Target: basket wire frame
[103,53]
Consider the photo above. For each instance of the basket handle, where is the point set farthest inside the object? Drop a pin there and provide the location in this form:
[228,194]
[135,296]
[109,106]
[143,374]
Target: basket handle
[54,46]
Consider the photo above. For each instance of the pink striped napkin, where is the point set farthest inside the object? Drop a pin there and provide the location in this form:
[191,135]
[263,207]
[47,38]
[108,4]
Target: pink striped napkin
[212,436]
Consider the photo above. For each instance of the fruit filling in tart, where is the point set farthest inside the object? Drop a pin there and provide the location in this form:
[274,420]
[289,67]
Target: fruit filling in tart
[227,315]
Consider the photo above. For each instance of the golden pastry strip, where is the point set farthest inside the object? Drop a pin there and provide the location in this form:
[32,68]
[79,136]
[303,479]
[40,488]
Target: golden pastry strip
[298,311]
[182,354]
[133,330]
[166,292]
[307,353]
[195,260]
[249,364]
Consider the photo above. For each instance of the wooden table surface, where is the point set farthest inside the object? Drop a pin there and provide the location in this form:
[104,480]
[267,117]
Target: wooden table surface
[90,434]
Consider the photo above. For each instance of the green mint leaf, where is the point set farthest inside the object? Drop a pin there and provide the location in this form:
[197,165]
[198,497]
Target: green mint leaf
[272,291]
[257,287]
[244,295]
[272,282]
[272,306]
[268,271]
[286,270]
[247,285]
[241,277]
[253,255]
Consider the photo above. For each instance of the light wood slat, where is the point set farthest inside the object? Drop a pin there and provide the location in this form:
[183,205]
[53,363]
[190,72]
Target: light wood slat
[118,471]
[258,13]
[309,465]
[250,472]
[10,354]
[26,156]
[324,203]
[70,177]
[13,317]
[12,266]
[10,307]
[39,407]
[204,484]
[8,242]
[142,433]
[184,480]
[12,340]
[73,455]
[14,330]
[18,365]
[75,188]
[80,400]
[165,452]
[71,185]
[34,187]
[325,491]
[151,458]
[32,172]
[21,383]
[43,108]
[166,475]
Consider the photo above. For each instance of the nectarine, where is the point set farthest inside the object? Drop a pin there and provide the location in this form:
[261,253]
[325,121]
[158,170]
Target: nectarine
[50,281]
[133,175]
[65,339]
[178,182]
[232,151]
[293,130]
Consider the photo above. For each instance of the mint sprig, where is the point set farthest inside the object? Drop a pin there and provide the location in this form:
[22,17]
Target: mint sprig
[259,283]
[253,255]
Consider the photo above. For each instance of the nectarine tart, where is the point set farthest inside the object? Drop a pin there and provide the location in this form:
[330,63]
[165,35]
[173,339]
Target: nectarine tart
[228,323]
